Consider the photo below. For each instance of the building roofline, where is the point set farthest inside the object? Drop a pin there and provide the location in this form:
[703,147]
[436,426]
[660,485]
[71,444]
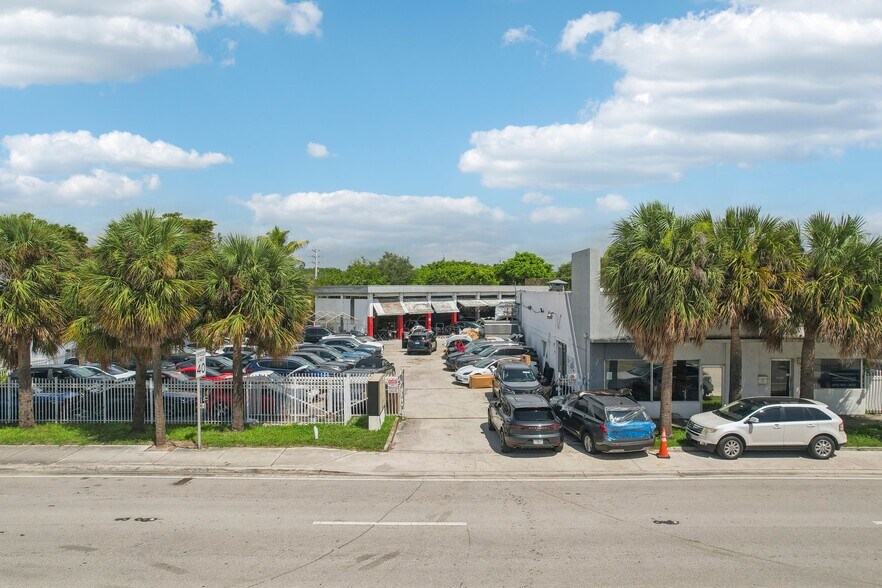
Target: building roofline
[423,289]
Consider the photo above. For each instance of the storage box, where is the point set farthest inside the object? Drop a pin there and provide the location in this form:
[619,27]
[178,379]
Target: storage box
[481,381]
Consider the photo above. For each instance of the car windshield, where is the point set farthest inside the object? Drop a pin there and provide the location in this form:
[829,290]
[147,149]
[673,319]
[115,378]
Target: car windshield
[487,350]
[532,415]
[222,360]
[523,374]
[626,414]
[419,336]
[735,411]
[82,371]
[115,370]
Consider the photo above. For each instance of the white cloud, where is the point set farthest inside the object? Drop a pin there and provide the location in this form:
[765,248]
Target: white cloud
[736,86]
[554,214]
[67,151]
[69,41]
[536,198]
[369,223]
[522,34]
[577,31]
[612,203]
[317,150]
[302,18]
[80,169]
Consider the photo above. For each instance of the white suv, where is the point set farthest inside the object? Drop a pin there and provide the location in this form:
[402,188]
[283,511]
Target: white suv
[768,422]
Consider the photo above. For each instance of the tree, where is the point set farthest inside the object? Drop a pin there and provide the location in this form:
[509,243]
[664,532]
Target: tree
[201,230]
[279,238]
[361,272]
[450,272]
[838,297]
[524,266]
[35,259]
[140,288]
[397,269]
[760,257]
[328,276]
[662,283]
[254,292]
[565,272]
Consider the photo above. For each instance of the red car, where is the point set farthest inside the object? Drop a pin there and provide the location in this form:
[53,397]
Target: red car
[210,374]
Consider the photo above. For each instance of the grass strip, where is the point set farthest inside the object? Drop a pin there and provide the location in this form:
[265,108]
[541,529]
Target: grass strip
[354,436]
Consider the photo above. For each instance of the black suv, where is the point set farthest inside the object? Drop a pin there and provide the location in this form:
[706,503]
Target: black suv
[605,420]
[525,421]
[514,377]
[421,342]
[315,334]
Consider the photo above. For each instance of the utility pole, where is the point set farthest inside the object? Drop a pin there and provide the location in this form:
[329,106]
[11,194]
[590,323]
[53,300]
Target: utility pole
[315,259]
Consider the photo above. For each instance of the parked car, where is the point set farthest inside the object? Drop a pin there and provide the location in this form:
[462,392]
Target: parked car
[178,394]
[514,378]
[114,371]
[373,365]
[327,353]
[68,403]
[472,348]
[356,351]
[269,397]
[506,349]
[525,421]
[315,334]
[64,372]
[210,374]
[605,420]
[285,366]
[352,345]
[483,367]
[250,350]
[768,422]
[355,340]
[219,363]
[421,342]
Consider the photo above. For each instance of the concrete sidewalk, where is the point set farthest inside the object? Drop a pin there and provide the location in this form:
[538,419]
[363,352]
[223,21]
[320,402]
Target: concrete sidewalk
[300,461]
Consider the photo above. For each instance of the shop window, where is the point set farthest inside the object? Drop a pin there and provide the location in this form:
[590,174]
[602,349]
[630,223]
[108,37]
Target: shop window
[838,373]
[644,379]
[633,374]
[686,380]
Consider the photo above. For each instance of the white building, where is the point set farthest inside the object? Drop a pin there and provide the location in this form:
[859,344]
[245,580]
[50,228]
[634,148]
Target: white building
[574,333]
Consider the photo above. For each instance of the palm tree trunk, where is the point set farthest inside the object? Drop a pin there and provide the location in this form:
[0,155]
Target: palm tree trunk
[735,361]
[807,367]
[158,404]
[139,398]
[667,390]
[238,392]
[25,384]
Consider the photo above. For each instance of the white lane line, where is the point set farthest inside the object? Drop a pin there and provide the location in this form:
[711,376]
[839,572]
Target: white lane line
[391,523]
[877,522]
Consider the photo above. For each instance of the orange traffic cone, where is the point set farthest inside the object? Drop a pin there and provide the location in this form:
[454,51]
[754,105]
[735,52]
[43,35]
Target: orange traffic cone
[663,448]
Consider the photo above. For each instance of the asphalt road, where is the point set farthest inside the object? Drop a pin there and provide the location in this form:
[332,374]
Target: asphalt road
[136,531]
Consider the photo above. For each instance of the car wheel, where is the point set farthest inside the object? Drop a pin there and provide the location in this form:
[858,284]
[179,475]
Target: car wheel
[822,447]
[503,446]
[589,445]
[730,447]
[222,412]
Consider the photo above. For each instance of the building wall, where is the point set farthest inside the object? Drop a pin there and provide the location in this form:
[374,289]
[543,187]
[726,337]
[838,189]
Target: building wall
[544,334]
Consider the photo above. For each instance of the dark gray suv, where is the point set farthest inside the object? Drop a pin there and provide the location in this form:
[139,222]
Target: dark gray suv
[515,377]
[525,421]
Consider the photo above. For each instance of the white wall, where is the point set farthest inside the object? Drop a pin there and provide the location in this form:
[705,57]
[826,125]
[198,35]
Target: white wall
[539,329]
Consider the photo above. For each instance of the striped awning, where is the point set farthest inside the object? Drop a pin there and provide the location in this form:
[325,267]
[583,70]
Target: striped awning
[447,306]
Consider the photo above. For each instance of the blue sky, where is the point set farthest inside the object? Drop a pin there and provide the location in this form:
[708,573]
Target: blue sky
[463,129]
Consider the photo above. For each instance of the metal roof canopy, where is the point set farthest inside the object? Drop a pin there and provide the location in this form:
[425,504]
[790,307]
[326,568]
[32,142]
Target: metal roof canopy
[478,303]
[388,308]
[448,306]
[421,307]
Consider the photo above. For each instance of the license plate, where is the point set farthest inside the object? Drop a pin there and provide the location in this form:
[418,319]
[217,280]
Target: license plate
[538,441]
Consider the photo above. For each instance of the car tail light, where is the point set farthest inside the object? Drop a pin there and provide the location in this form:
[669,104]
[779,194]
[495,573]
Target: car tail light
[842,426]
[518,427]
[603,430]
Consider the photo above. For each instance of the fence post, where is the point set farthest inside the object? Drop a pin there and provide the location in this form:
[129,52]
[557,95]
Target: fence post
[55,387]
[347,399]
[104,402]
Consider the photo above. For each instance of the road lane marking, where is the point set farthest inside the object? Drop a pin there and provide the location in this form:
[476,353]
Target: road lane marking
[877,522]
[391,523]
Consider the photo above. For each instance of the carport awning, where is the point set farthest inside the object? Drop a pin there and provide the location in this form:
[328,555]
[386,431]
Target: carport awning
[477,303]
[444,306]
[418,307]
[387,309]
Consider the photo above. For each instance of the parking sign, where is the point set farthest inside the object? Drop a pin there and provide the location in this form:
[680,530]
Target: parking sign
[200,363]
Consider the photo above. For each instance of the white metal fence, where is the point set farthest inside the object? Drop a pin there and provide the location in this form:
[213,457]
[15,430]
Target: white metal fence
[874,395]
[292,400]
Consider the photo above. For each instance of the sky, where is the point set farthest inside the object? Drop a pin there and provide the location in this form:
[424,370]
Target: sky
[465,129]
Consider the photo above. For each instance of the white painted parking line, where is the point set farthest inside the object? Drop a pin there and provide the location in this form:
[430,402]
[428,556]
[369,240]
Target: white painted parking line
[391,523]
[877,522]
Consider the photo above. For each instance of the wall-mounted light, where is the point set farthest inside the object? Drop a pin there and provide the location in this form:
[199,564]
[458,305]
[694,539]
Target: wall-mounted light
[550,314]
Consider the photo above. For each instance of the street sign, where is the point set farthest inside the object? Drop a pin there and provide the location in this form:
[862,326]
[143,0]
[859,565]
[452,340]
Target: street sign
[200,363]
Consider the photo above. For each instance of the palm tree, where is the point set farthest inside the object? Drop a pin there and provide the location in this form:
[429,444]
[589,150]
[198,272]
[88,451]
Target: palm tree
[838,299]
[140,289]
[34,262]
[254,292]
[662,283]
[760,257]
[279,238]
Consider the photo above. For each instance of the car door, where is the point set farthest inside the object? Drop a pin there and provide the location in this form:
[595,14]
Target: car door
[799,426]
[581,418]
[768,431]
[495,414]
